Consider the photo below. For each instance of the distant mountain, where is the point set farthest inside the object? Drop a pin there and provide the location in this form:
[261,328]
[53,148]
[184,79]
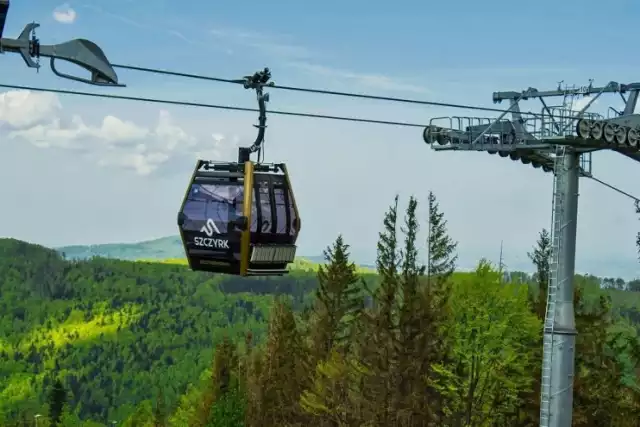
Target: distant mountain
[163,248]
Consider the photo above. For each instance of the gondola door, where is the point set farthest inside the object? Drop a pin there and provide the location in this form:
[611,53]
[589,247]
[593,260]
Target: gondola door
[210,221]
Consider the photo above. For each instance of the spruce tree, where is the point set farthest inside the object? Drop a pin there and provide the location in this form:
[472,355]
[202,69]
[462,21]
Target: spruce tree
[409,281]
[529,411]
[541,258]
[223,380]
[441,249]
[284,370]
[436,344]
[225,362]
[339,301]
[378,345]
[387,263]
[408,404]
[57,400]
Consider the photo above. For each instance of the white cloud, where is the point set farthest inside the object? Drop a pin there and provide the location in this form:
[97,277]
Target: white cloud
[21,109]
[272,45]
[377,81]
[582,102]
[38,118]
[65,14]
[146,26]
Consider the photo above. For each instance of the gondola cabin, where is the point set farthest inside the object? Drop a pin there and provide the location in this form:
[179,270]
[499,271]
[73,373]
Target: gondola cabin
[240,219]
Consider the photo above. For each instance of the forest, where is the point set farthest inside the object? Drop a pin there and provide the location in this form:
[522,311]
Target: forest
[103,342]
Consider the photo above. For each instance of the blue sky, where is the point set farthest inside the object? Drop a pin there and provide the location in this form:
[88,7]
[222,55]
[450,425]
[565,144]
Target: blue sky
[113,171]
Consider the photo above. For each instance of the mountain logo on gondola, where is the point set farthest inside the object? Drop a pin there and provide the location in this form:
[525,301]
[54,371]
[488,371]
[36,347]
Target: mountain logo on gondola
[209,228]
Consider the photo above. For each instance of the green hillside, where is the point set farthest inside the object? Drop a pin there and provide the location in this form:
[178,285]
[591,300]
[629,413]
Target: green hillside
[117,332]
[93,341]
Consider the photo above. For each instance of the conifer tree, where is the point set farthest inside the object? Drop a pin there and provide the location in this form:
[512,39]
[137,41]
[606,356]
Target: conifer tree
[333,397]
[411,271]
[339,301]
[224,365]
[541,257]
[284,371]
[57,400]
[253,386]
[223,381]
[387,263]
[441,249]
[435,298]
[410,372]
[378,345]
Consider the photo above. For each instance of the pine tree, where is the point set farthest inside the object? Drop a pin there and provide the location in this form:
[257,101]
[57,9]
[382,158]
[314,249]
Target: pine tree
[57,400]
[529,411]
[284,370]
[541,257]
[225,362]
[224,380]
[435,300]
[333,395]
[441,249]
[387,263]
[411,271]
[339,301]
[378,344]
[408,404]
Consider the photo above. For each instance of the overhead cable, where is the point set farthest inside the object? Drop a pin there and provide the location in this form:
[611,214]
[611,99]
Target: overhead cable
[215,106]
[624,193]
[317,91]
[246,109]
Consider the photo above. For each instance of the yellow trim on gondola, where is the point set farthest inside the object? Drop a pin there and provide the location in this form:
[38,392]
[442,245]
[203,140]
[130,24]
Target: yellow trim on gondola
[293,198]
[245,239]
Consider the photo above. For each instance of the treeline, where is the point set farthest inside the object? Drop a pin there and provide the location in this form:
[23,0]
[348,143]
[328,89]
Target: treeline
[418,346]
[433,349]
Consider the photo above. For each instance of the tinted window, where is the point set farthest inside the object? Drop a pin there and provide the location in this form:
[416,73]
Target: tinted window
[219,203]
[254,214]
[294,217]
[261,194]
[281,211]
[265,209]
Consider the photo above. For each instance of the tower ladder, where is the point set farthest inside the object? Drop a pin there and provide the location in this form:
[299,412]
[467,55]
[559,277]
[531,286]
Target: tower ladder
[552,288]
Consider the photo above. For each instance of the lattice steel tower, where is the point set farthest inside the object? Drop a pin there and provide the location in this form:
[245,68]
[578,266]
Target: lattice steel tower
[560,140]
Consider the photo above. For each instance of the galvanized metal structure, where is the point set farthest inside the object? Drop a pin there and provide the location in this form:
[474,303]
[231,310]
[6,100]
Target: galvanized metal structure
[558,140]
[81,52]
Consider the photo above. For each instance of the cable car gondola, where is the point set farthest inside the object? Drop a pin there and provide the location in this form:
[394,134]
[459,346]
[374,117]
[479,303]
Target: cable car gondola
[241,217]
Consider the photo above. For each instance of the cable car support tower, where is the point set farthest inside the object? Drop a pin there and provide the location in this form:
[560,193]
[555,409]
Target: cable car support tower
[559,140]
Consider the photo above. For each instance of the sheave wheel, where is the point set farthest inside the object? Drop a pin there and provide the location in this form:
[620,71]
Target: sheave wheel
[583,128]
[429,134]
[633,137]
[597,130]
[621,135]
[610,133]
